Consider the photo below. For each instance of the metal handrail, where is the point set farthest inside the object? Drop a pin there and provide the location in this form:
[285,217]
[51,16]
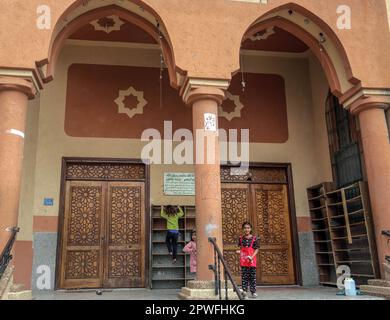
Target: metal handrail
[218,259]
[387,234]
[6,255]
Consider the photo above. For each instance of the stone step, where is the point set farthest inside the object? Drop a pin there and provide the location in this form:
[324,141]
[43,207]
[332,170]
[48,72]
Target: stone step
[20,295]
[6,282]
[386,269]
[379,283]
[376,291]
[204,294]
[17,288]
[196,284]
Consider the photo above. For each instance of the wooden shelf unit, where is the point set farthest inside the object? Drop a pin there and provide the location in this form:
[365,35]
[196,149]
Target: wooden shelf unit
[351,235]
[164,274]
[321,233]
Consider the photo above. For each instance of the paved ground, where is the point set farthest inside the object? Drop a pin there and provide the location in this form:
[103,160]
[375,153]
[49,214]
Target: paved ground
[264,293]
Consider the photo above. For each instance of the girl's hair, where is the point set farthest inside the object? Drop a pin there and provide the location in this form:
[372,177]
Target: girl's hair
[192,233]
[247,223]
[170,210]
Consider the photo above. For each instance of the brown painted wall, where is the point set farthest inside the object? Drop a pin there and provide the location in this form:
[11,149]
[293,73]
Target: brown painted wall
[306,135]
[304,224]
[45,224]
[201,30]
[91,110]
[23,258]
[127,33]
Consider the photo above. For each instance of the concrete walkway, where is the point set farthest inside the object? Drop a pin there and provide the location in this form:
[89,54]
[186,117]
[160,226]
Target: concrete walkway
[264,293]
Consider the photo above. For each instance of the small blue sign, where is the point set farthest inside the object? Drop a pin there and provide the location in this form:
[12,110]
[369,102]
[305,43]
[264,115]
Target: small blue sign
[48,202]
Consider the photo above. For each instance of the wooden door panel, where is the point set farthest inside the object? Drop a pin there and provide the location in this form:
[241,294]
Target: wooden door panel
[81,261]
[125,243]
[272,224]
[235,210]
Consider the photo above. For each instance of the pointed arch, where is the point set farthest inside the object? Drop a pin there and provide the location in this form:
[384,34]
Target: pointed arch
[65,28]
[307,26]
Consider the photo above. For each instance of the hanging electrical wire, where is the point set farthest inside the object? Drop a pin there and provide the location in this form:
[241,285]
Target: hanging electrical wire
[321,42]
[161,63]
[243,83]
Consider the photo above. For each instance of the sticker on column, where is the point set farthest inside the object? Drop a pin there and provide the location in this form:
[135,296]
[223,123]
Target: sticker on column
[210,122]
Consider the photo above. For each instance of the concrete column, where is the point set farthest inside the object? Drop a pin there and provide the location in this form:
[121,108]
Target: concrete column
[205,102]
[14,96]
[376,146]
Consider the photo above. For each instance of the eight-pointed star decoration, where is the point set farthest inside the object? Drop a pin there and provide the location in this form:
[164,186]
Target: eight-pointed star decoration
[269,32]
[237,110]
[131,112]
[114,25]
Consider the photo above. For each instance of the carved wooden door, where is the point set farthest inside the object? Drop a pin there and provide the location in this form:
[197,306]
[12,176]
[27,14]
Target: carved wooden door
[82,236]
[266,208]
[235,210]
[125,244]
[272,223]
[103,243]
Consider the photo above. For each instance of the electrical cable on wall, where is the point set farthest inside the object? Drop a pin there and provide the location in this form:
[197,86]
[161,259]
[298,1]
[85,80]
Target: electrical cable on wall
[243,84]
[161,64]
[321,47]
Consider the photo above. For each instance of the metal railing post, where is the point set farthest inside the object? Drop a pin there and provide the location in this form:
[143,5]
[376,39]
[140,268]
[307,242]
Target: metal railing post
[219,278]
[217,272]
[6,255]
[387,234]
[226,285]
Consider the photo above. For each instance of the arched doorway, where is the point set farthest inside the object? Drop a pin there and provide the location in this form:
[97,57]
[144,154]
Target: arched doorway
[139,15]
[110,69]
[290,59]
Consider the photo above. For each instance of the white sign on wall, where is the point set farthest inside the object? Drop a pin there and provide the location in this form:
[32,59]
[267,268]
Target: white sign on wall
[210,122]
[179,184]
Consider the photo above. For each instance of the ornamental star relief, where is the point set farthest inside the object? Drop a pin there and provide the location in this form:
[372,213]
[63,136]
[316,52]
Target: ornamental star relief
[116,24]
[237,110]
[131,112]
[269,32]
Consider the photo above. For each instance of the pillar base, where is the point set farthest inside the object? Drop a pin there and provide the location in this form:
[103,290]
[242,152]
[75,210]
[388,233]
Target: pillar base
[386,271]
[205,290]
[20,295]
[6,282]
[10,291]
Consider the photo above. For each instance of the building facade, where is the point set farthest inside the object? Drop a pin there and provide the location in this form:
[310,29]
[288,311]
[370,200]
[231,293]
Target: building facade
[82,82]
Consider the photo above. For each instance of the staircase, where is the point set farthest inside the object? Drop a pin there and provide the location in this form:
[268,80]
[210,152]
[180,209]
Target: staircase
[222,288]
[379,287]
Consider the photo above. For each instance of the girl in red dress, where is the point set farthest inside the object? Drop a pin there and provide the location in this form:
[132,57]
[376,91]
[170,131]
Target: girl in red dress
[249,247]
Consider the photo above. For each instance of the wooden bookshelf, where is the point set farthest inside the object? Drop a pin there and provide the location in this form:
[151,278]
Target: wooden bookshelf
[351,234]
[163,273]
[321,232]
